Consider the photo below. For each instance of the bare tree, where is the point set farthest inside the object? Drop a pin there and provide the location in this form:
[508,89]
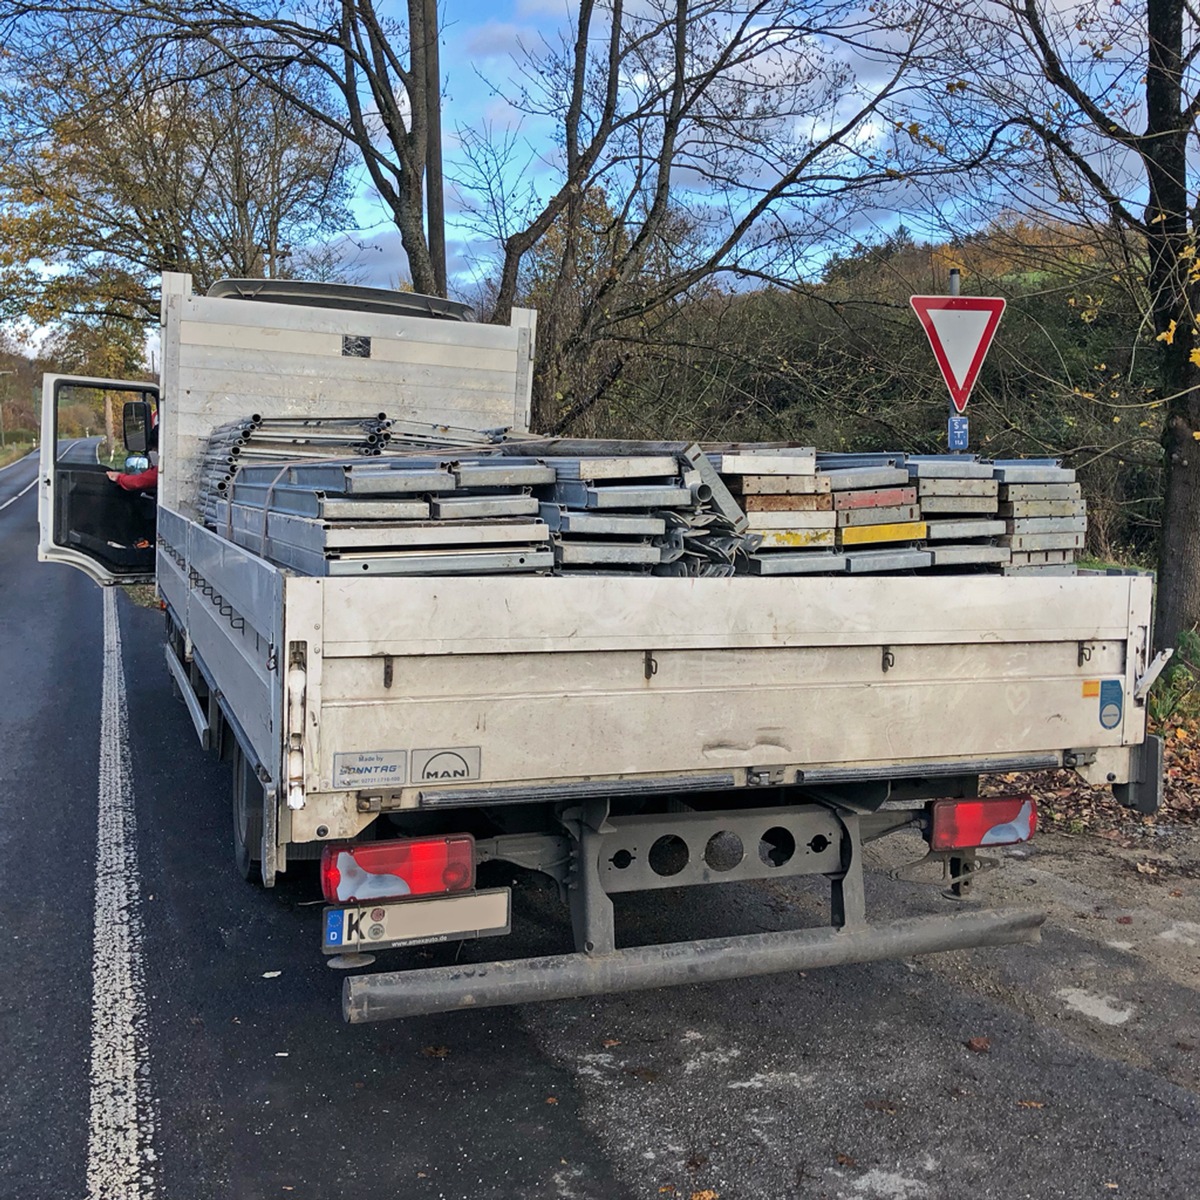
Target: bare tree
[751,124]
[1092,112]
[727,139]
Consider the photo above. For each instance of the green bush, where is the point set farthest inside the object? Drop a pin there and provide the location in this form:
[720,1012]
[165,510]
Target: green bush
[1175,695]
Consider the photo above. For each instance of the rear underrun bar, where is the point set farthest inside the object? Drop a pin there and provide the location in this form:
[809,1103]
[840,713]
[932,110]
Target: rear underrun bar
[519,981]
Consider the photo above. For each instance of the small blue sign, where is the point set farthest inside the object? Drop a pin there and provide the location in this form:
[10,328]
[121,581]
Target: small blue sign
[333,927]
[956,433]
[1111,703]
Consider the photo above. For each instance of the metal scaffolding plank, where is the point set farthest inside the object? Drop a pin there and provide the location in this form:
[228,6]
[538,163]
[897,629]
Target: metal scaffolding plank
[843,479]
[800,461]
[944,530]
[305,502]
[584,553]
[947,466]
[1017,472]
[902,531]
[568,520]
[776,485]
[878,516]
[482,507]
[595,470]
[813,563]
[758,521]
[797,539]
[504,472]
[862,562]
[479,562]
[959,504]
[366,478]
[1042,491]
[320,536]
[574,493]
[958,556]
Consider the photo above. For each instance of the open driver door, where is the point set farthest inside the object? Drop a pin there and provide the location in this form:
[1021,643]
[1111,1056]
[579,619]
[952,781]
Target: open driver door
[86,520]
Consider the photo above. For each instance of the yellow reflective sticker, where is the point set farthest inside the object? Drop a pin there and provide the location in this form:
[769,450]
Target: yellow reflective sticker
[1091,687]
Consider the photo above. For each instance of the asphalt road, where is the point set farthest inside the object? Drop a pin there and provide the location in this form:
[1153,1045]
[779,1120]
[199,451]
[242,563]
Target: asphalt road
[848,1083]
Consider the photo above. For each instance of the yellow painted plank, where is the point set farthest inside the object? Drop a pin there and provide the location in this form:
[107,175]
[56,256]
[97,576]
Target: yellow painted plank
[901,531]
[797,539]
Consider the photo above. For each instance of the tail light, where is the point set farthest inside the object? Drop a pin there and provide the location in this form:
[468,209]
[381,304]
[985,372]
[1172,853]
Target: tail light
[393,869]
[995,821]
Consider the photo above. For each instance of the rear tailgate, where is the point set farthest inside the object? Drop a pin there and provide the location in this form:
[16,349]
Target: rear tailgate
[506,685]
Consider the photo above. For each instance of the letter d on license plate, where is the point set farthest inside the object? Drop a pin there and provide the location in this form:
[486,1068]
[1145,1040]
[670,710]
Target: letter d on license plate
[417,922]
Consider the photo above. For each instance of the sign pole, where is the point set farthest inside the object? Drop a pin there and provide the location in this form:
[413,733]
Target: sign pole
[958,433]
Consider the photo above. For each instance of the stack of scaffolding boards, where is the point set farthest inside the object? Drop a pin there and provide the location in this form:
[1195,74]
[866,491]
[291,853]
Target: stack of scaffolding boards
[319,497]
[610,514]
[412,516]
[474,510]
[879,519]
[1044,515]
[258,439]
[790,519]
[959,499]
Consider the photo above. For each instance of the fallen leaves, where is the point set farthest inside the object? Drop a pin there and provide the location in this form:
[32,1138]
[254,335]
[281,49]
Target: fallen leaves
[1124,920]
[887,1107]
[979,1045]
[436,1051]
[609,1043]
[844,1160]
[551,1099]
[707,1194]
[1146,868]
[1031,1104]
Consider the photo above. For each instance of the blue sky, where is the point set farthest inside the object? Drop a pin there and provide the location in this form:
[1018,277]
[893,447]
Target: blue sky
[479,46]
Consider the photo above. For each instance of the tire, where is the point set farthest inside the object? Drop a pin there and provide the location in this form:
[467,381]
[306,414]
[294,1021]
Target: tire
[247,817]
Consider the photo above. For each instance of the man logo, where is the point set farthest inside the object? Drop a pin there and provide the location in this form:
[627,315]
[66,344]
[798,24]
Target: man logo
[446,765]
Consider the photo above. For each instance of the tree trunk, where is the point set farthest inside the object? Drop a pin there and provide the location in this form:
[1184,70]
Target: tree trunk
[1169,243]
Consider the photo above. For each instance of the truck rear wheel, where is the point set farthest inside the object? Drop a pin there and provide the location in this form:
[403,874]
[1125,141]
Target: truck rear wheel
[247,817]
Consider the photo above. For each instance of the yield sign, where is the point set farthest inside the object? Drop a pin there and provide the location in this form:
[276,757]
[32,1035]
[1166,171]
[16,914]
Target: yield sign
[960,330]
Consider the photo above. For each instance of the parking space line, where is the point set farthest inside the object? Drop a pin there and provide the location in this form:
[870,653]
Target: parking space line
[121,1108]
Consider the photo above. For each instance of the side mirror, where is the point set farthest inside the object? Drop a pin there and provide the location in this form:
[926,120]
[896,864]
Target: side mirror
[136,420]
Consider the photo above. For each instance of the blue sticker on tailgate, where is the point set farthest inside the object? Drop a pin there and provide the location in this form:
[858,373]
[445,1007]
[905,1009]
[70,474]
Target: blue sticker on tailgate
[333,927]
[1112,700]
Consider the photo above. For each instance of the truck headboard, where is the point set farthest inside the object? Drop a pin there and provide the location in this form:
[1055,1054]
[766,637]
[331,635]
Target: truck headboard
[226,357]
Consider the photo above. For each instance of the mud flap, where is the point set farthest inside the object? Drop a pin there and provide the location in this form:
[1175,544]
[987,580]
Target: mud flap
[1143,793]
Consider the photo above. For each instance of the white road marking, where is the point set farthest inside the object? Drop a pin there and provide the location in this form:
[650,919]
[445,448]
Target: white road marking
[34,483]
[18,496]
[121,1111]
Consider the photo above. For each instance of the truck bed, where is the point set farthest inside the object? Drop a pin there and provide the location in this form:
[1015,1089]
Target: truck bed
[491,690]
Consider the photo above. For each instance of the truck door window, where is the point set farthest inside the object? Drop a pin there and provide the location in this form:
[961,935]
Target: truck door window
[92,514]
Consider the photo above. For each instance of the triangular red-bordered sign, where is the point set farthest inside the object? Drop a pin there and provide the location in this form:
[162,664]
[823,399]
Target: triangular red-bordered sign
[960,330]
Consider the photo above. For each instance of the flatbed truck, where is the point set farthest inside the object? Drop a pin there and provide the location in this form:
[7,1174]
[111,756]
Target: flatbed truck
[616,734]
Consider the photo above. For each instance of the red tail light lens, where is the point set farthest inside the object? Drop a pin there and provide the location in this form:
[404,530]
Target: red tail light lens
[393,869]
[996,821]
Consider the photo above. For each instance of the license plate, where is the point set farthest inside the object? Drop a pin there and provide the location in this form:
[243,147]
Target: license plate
[417,922]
